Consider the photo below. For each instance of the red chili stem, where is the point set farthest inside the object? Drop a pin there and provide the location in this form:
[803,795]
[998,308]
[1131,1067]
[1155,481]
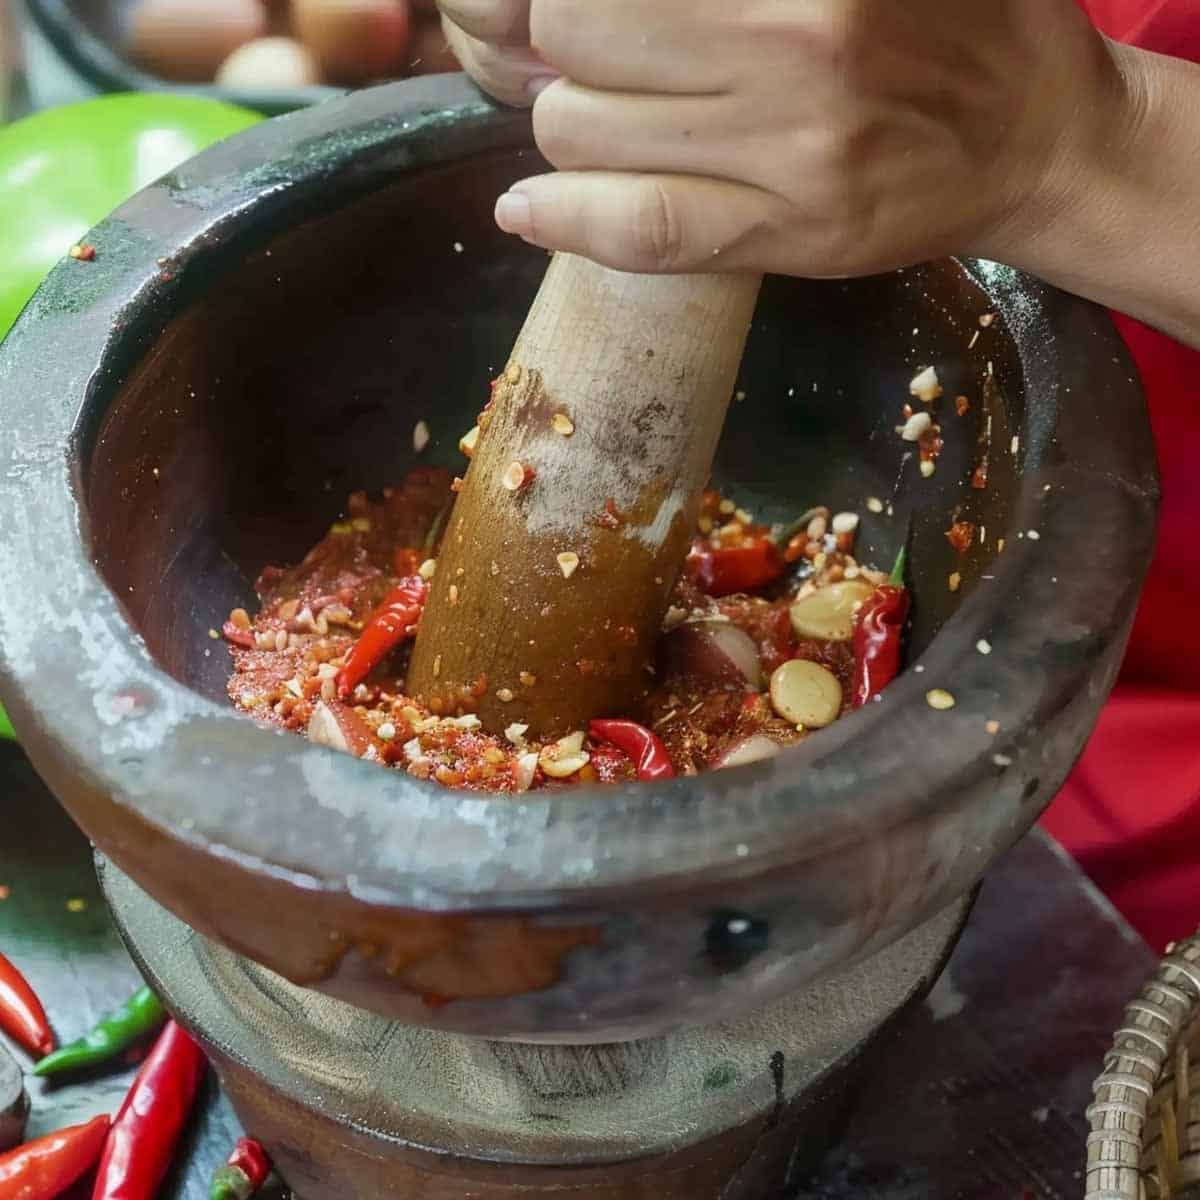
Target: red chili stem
[143,1137]
[649,755]
[391,623]
[43,1169]
[22,1016]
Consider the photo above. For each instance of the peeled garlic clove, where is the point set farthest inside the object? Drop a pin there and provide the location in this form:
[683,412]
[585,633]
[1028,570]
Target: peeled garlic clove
[716,650]
[752,749]
[336,726]
[805,693]
[828,613]
[561,759]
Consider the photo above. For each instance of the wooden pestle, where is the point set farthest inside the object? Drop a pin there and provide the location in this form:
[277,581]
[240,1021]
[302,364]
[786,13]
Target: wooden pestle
[577,508]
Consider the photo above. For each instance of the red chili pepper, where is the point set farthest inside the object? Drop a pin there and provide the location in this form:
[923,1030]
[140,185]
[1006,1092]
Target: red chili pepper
[244,1173]
[143,1137]
[389,625]
[724,570]
[878,630]
[22,1016]
[238,637]
[45,1168]
[648,753]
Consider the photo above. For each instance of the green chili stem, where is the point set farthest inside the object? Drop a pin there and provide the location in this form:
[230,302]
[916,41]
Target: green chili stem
[896,578]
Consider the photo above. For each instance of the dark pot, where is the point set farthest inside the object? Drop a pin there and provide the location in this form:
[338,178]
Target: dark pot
[257,336]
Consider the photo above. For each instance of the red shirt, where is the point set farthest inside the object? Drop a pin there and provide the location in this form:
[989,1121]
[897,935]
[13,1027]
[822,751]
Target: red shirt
[1130,813]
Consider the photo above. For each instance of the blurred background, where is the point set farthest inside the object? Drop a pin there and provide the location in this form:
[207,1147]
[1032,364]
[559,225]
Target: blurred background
[267,55]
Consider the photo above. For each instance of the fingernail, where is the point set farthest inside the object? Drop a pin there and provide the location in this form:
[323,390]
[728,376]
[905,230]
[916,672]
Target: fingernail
[513,214]
[538,84]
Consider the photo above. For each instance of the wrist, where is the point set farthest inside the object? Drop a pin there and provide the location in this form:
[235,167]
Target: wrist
[1060,198]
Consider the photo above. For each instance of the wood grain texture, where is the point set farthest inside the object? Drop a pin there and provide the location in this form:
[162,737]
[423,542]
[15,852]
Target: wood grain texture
[639,372]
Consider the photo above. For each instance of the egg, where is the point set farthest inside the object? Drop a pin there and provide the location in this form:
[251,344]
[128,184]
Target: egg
[187,40]
[270,63]
[354,40]
[429,53]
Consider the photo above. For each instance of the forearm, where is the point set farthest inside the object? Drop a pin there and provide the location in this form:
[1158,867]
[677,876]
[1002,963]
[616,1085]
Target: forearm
[1119,220]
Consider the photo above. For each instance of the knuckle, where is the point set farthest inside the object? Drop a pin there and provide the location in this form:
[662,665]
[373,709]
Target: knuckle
[657,233]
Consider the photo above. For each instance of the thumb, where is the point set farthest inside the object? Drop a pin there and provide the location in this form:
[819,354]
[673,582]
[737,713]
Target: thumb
[651,224]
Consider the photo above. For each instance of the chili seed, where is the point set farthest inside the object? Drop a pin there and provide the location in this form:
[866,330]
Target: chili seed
[927,468]
[1033,535]
[453,594]
[955,581]
[562,424]
[568,563]
[925,385]
[816,529]
[993,727]
[986,319]
[726,508]
[420,436]
[940,699]
[212,633]
[437,665]
[916,425]
[527,680]
[386,731]
[504,695]
[427,569]
[1002,760]
[874,504]
[83,252]
[844,522]
[517,476]
[468,441]
[239,618]
[983,646]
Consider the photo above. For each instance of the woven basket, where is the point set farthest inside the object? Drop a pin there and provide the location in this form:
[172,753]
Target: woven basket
[1145,1122]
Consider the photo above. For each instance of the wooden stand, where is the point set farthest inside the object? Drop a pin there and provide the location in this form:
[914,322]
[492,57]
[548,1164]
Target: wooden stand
[575,513]
[350,1104]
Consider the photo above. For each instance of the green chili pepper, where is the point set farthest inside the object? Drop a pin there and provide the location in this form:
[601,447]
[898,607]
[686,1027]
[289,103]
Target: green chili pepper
[140,1015]
[6,729]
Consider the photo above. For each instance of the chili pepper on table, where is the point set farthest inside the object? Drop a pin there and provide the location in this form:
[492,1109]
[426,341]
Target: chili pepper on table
[878,630]
[141,1014]
[641,744]
[22,1016]
[243,1175]
[45,1168]
[152,1116]
[389,625]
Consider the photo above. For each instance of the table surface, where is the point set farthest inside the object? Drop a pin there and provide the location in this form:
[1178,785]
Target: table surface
[981,1097]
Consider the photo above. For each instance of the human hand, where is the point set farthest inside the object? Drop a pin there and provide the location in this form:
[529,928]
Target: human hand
[806,137]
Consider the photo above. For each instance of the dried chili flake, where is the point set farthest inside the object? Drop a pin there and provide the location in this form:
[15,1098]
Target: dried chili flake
[962,405]
[979,478]
[960,535]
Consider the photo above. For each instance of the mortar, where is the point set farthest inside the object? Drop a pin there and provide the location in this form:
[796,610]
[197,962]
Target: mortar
[258,335]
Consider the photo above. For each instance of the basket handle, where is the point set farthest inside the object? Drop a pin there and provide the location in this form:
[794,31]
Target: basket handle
[1145,1084]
